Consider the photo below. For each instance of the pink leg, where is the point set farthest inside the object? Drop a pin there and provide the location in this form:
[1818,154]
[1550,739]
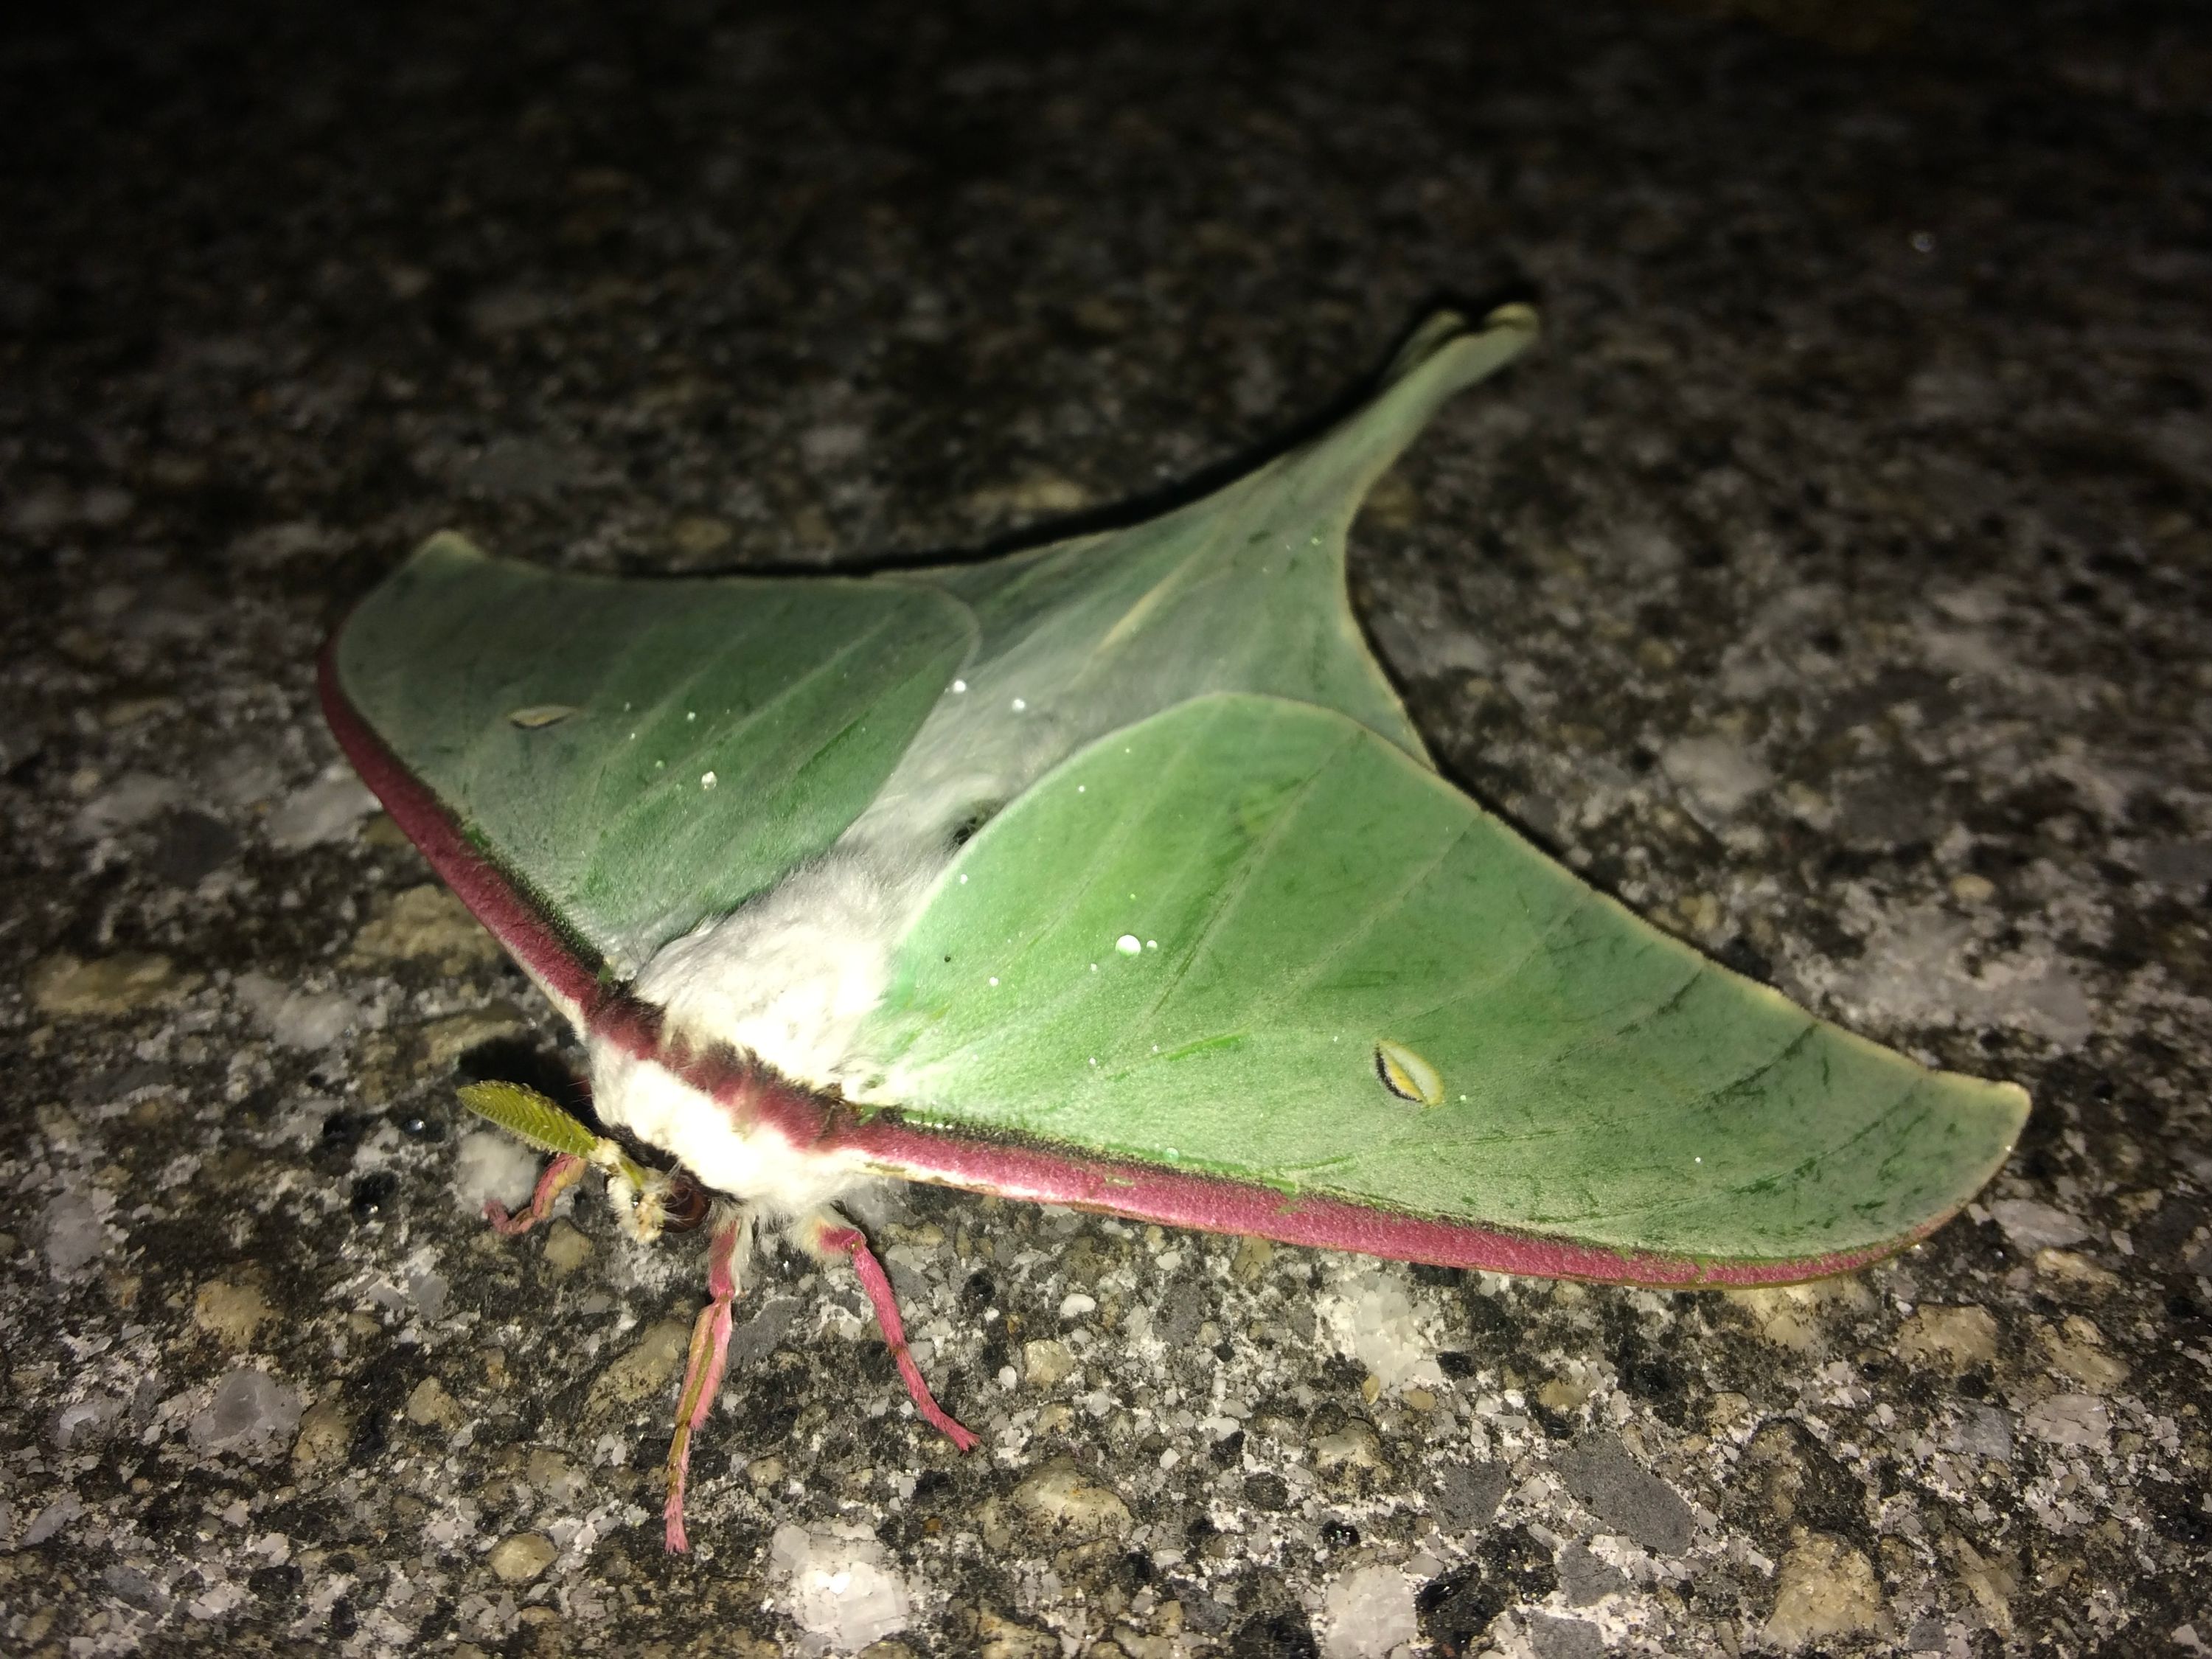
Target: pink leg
[878,1288]
[563,1173]
[710,1351]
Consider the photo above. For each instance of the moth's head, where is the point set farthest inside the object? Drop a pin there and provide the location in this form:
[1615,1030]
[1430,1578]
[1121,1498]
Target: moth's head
[648,1199]
[673,1201]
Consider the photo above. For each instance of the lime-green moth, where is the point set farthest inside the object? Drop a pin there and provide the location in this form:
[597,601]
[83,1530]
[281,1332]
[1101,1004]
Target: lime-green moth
[1109,872]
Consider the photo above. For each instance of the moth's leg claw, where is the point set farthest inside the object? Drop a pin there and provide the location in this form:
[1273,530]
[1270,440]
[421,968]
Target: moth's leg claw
[563,1173]
[825,1233]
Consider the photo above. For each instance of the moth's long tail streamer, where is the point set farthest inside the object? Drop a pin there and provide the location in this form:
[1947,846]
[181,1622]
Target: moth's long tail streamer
[563,1173]
[702,1375]
[877,1284]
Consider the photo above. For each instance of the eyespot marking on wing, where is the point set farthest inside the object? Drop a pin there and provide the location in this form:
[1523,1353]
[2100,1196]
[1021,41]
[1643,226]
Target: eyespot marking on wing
[539,715]
[1406,1075]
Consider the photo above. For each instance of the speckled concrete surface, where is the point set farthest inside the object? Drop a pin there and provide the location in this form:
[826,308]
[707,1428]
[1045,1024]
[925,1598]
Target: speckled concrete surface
[1834,585]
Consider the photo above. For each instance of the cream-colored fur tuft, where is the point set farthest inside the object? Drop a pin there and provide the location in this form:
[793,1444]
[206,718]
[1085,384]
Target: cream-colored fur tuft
[790,977]
[752,1164]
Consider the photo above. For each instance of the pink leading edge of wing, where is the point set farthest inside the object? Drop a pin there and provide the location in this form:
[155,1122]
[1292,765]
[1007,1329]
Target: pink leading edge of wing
[1011,1169]
[1006,1168]
[492,898]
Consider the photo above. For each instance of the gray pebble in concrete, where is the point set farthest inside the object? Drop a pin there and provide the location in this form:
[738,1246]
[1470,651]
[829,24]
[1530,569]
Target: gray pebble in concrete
[1628,1498]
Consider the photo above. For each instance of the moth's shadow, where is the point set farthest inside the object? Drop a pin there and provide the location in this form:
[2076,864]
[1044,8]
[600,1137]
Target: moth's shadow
[1148,504]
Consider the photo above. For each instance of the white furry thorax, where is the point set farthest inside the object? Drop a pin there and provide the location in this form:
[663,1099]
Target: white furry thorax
[788,979]
[791,976]
[750,1162]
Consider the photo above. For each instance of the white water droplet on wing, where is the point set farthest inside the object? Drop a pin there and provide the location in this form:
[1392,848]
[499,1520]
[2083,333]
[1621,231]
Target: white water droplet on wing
[1019,704]
[1128,945]
[707,780]
[995,979]
[959,686]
